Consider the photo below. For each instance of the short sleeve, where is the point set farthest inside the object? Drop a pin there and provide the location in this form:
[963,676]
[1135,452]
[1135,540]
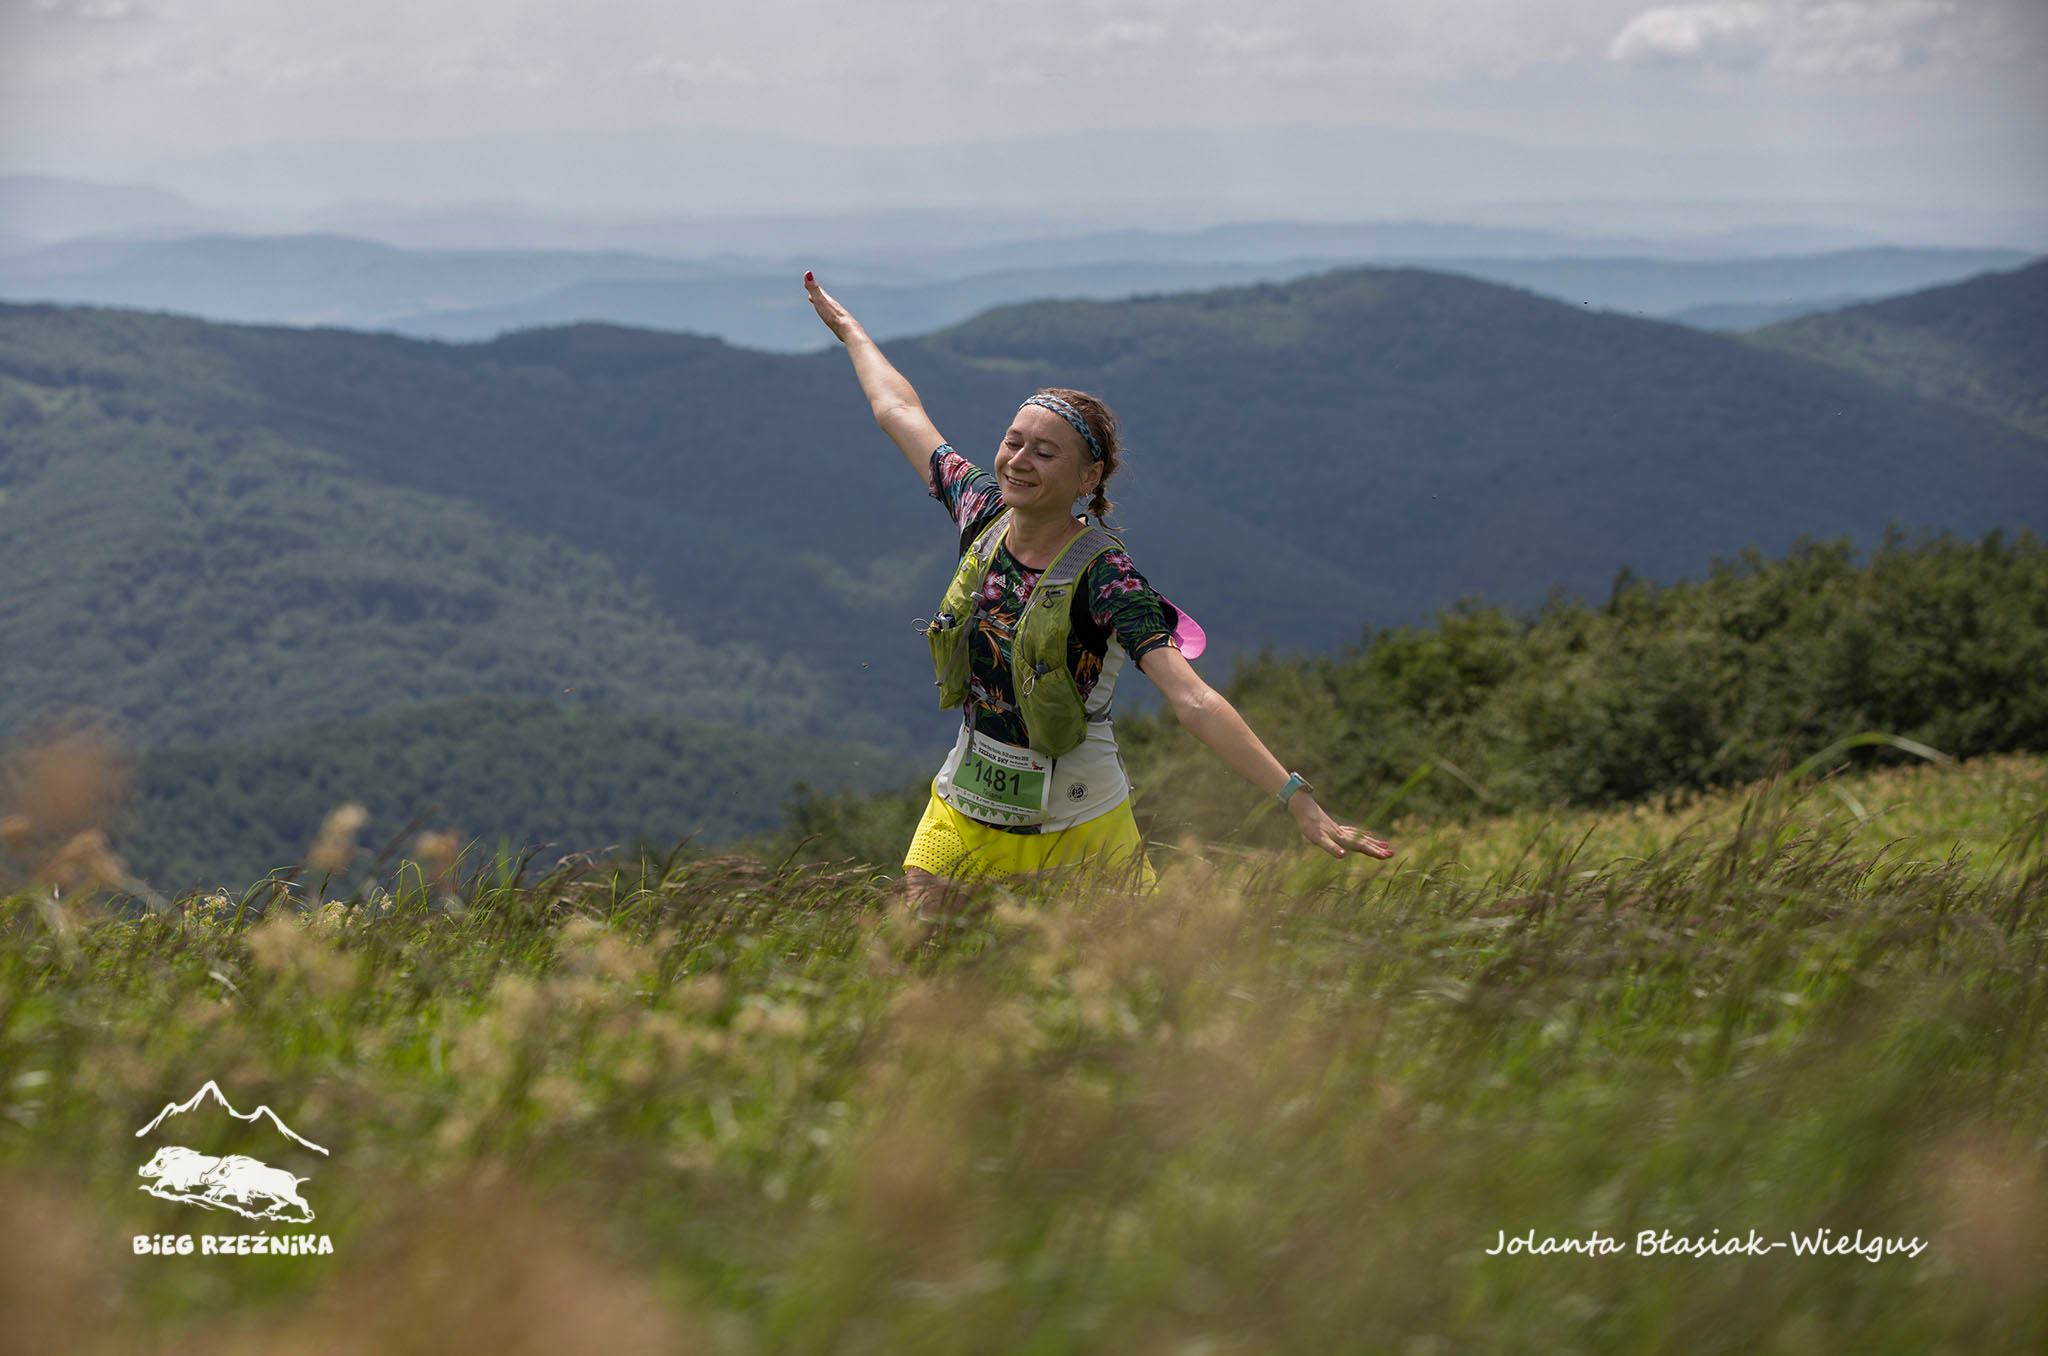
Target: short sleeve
[1122,604]
[970,494]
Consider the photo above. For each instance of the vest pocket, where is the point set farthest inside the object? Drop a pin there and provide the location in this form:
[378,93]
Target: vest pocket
[1053,712]
[947,636]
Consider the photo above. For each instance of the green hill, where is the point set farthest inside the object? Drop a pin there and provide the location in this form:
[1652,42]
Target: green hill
[1981,345]
[226,536]
[1656,692]
[214,582]
[1393,437]
[490,768]
[1654,695]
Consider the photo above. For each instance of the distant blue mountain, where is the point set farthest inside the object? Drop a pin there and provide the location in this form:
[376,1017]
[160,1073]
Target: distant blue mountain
[477,294]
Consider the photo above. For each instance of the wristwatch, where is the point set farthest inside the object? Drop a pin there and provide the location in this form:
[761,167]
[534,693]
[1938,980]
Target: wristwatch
[1295,782]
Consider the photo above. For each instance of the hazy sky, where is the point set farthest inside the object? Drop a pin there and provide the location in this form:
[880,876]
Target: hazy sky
[117,87]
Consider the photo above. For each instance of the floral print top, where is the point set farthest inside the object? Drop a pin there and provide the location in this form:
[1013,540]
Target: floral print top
[1112,599]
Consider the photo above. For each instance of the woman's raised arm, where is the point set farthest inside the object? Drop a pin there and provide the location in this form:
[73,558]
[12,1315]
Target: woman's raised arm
[896,406]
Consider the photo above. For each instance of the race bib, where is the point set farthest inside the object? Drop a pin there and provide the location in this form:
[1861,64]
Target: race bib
[1002,783]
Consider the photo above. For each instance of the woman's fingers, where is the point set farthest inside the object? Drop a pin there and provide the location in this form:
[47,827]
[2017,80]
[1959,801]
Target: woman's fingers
[1335,839]
[1365,842]
[1325,833]
[831,312]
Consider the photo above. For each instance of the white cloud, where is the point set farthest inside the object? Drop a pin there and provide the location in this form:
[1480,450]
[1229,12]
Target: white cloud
[1231,40]
[191,73]
[1688,32]
[93,11]
[1111,35]
[1021,77]
[1847,38]
[715,70]
[1828,37]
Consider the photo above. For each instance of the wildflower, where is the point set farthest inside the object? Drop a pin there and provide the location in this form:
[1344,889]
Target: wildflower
[329,919]
[437,851]
[275,944]
[781,1021]
[84,863]
[285,947]
[337,841]
[15,832]
[591,949]
[675,1041]
[561,1097]
[701,995]
[68,783]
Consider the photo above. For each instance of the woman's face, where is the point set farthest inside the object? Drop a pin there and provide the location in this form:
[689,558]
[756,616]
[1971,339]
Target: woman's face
[1042,463]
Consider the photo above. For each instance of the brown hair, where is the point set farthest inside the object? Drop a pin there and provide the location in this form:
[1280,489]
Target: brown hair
[1101,421]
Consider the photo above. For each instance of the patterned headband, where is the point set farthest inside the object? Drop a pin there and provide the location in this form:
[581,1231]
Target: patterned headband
[1072,416]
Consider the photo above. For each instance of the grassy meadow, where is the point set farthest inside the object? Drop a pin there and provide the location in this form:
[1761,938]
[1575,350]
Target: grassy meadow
[1286,1104]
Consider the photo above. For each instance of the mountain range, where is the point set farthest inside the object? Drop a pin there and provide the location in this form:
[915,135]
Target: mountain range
[595,583]
[1980,345]
[750,300]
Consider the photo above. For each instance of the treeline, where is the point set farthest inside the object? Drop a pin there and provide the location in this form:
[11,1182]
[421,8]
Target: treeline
[1978,345]
[240,584]
[1657,692]
[269,527]
[486,769]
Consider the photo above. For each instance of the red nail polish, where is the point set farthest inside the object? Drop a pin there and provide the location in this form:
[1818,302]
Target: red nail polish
[808,277]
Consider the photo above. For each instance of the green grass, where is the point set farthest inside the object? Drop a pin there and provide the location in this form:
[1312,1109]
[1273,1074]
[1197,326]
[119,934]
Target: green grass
[1283,1106]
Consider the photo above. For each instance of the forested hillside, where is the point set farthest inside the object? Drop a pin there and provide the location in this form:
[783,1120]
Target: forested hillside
[1939,646]
[1453,439]
[489,770]
[1981,345]
[224,536]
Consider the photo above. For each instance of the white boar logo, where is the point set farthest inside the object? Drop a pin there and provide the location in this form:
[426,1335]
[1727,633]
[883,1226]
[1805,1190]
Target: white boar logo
[247,1186]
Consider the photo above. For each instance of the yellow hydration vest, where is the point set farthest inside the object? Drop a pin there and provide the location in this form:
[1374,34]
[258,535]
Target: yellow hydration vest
[1047,699]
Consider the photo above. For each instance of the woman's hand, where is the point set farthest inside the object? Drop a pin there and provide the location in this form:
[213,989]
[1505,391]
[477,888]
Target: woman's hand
[1327,834]
[897,409]
[837,318]
[1207,715]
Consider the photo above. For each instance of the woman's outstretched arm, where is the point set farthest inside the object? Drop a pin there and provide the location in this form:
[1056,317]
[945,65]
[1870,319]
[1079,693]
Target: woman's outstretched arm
[1207,715]
[896,406]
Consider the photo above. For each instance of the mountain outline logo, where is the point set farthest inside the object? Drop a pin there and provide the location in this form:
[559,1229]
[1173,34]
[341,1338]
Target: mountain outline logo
[248,1186]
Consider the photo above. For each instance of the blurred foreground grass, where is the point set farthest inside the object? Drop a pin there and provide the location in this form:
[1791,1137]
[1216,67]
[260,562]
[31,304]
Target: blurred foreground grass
[1285,1105]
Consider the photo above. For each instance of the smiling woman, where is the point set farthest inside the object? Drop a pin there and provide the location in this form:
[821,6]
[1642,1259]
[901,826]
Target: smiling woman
[1044,610]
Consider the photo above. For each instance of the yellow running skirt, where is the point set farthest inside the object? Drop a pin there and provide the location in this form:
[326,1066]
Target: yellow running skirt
[948,843]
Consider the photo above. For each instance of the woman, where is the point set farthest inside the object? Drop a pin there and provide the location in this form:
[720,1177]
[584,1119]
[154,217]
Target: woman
[1034,781]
